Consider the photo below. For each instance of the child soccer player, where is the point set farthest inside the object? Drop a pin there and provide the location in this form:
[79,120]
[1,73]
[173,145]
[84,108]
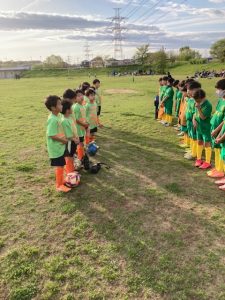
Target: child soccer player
[221,140]
[81,122]
[161,108]
[91,114]
[178,97]
[182,114]
[56,141]
[98,98]
[70,131]
[216,126]
[168,101]
[201,121]
[84,87]
[156,104]
[162,104]
[192,87]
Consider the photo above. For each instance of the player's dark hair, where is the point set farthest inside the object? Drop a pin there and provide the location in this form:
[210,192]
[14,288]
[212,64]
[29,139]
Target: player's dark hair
[85,86]
[220,84]
[194,85]
[89,92]
[165,78]
[69,94]
[160,79]
[96,81]
[66,104]
[170,80]
[199,94]
[78,92]
[176,83]
[51,101]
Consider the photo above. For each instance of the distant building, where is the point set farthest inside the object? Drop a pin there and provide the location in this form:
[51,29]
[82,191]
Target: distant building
[112,62]
[9,73]
[85,64]
[97,62]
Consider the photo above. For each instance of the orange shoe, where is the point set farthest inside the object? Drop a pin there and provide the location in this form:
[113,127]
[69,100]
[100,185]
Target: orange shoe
[210,172]
[216,174]
[63,188]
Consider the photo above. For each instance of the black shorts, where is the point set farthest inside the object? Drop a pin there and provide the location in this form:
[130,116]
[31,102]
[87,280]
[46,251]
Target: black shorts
[81,138]
[99,110]
[58,162]
[72,150]
[94,130]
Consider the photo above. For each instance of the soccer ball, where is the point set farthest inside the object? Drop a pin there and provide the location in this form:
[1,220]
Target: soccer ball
[72,179]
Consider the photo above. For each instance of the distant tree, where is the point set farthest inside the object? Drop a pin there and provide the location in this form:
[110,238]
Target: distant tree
[186,54]
[98,61]
[142,54]
[218,50]
[54,61]
[159,61]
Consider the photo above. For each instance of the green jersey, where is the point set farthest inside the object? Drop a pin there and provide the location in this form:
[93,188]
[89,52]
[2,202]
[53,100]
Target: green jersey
[98,99]
[69,127]
[162,91]
[80,115]
[204,125]
[219,114]
[91,114]
[169,93]
[54,128]
[190,109]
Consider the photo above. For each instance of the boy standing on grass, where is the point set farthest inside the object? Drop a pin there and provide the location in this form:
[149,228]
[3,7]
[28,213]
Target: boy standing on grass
[70,131]
[178,97]
[98,98]
[162,105]
[161,108]
[201,121]
[91,114]
[216,126]
[168,102]
[221,140]
[192,87]
[56,141]
[81,123]
[182,115]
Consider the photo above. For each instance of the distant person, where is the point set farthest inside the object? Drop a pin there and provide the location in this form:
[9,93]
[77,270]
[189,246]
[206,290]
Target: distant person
[98,98]
[156,104]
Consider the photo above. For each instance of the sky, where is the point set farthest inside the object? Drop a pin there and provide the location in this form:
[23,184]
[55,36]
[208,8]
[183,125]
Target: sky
[36,29]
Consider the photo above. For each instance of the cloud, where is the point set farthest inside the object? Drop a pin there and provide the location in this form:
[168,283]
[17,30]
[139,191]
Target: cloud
[217,1]
[27,20]
[33,4]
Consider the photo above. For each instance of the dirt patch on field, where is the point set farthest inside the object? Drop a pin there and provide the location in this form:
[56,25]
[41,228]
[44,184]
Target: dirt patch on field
[120,91]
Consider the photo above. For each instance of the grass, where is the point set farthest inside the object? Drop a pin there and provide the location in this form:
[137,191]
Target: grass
[151,227]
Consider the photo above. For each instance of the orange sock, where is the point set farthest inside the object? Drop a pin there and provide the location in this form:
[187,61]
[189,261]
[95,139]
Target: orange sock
[80,152]
[69,165]
[87,139]
[59,176]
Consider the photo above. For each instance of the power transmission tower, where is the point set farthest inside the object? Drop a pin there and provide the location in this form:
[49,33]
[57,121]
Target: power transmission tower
[87,51]
[117,30]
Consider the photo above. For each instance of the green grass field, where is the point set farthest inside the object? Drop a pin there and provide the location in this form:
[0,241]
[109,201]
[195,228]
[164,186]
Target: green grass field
[151,227]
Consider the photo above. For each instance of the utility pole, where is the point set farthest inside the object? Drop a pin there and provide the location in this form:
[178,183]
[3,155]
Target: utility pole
[87,51]
[117,30]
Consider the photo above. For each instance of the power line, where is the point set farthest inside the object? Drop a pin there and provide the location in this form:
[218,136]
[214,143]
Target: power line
[134,10]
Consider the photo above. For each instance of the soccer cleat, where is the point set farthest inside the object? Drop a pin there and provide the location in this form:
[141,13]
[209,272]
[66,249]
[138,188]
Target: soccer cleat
[205,166]
[189,156]
[220,182]
[63,188]
[198,163]
[181,133]
[210,172]
[216,174]
[183,145]
[222,187]
[166,124]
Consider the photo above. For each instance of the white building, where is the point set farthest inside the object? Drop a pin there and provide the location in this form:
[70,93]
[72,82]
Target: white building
[7,73]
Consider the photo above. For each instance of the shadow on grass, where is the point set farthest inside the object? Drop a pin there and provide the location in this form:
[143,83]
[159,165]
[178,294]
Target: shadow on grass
[146,207]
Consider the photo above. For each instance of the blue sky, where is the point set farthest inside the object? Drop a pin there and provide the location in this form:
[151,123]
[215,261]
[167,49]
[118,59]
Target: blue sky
[36,29]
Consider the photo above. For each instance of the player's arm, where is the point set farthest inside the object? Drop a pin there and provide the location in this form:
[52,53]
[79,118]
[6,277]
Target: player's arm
[62,140]
[217,130]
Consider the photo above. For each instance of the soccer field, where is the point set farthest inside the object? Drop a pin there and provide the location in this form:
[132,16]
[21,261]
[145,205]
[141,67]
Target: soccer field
[151,227]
